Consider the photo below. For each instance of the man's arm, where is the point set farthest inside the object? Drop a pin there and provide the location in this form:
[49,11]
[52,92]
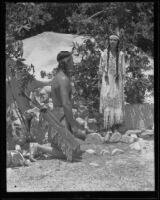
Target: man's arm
[38,84]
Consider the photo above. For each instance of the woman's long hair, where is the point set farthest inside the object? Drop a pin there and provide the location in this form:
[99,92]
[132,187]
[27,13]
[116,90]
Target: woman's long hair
[117,62]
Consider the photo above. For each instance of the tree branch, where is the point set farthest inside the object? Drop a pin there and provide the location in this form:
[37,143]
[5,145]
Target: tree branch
[96,14]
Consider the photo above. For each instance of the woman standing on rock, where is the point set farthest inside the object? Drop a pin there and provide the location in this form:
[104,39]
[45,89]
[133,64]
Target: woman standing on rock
[112,72]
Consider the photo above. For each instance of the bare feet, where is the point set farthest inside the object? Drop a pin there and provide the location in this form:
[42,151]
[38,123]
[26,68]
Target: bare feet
[33,151]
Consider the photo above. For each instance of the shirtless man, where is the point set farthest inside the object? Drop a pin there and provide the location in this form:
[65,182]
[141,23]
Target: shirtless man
[61,93]
[61,96]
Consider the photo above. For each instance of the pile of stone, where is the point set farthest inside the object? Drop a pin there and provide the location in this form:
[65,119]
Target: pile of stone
[134,138]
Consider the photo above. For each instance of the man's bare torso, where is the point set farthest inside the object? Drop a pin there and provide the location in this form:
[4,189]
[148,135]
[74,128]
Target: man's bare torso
[57,84]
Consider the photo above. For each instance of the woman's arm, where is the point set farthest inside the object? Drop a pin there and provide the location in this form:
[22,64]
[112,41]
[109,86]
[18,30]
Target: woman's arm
[101,67]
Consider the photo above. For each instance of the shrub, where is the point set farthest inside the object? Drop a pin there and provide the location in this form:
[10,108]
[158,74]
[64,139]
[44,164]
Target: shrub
[86,78]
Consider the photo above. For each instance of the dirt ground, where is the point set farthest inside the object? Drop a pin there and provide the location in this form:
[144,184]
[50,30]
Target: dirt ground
[129,171]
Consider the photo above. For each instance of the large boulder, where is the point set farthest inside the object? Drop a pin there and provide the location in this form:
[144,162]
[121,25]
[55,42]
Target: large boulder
[147,134]
[41,50]
[94,138]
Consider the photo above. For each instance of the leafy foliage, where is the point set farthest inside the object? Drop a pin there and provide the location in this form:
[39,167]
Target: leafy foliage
[20,19]
[27,19]
[134,22]
[43,74]
[23,18]
[137,83]
[85,74]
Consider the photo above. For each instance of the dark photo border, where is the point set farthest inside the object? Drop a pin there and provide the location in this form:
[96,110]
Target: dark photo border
[80,195]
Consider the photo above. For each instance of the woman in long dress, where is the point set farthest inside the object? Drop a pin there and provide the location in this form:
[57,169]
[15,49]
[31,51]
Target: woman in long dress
[112,73]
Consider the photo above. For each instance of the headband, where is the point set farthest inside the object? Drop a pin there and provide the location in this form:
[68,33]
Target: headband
[114,37]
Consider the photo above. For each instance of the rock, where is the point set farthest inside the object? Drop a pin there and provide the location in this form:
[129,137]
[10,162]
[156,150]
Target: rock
[82,107]
[17,158]
[44,93]
[27,162]
[18,147]
[45,90]
[122,129]
[89,131]
[94,138]
[147,134]
[94,164]
[90,151]
[104,152]
[141,140]
[92,126]
[142,143]
[80,121]
[131,132]
[128,139]
[92,120]
[115,137]
[50,105]
[117,152]
[135,146]
[75,112]
[134,136]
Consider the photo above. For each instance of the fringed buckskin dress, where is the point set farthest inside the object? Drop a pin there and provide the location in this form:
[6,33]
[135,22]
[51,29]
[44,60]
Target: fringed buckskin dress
[111,95]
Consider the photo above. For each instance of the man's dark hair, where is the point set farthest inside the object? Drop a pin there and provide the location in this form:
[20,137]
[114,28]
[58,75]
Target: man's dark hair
[62,64]
[62,55]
